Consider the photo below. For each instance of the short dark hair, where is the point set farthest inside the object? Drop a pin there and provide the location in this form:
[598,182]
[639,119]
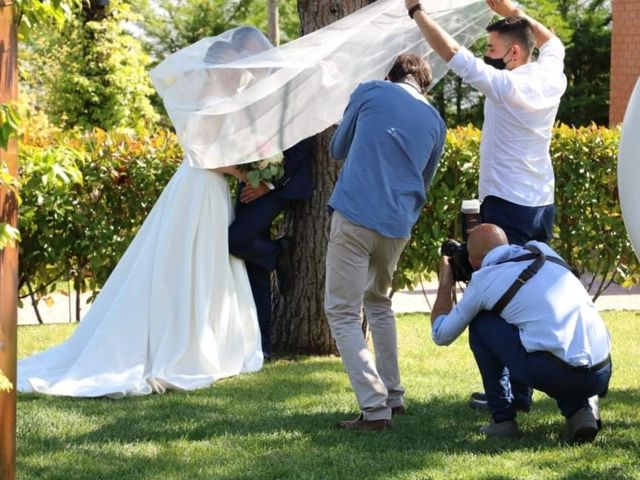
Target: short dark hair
[516,28]
[413,65]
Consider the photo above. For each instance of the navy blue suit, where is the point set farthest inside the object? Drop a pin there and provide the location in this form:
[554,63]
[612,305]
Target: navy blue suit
[249,234]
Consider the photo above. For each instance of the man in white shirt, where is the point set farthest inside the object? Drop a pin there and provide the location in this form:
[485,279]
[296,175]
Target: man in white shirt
[522,98]
[521,101]
[531,321]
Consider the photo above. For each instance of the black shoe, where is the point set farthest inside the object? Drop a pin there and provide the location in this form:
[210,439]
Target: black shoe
[581,427]
[283,266]
[399,410]
[506,429]
[478,401]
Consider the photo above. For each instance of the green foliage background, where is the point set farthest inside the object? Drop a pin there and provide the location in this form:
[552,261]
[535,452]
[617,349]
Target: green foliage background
[90,73]
[86,194]
[589,231]
[170,25]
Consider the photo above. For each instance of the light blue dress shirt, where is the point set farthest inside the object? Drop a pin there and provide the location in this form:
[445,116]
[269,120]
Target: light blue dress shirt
[553,311]
[392,140]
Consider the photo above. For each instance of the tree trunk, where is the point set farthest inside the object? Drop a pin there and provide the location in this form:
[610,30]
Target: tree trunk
[300,324]
[78,282]
[274,28]
[34,302]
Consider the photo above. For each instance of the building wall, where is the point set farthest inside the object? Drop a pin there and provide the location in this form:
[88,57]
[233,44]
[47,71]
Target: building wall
[625,56]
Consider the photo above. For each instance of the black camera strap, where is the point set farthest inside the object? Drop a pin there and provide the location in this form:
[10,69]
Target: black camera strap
[538,260]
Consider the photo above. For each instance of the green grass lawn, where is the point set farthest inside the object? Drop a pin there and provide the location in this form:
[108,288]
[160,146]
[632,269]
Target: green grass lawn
[279,424]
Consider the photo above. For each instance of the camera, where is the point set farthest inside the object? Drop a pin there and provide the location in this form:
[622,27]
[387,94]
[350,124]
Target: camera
[456,251]
[458,259]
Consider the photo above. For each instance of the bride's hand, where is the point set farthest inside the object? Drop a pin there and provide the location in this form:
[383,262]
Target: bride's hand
[233,171]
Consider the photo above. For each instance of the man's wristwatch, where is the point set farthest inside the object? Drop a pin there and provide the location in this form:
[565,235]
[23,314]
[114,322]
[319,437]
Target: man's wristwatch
[414,9]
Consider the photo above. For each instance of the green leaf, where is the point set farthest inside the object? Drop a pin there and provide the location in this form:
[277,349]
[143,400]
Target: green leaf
[8,235]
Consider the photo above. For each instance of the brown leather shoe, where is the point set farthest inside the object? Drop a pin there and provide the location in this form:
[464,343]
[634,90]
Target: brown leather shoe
[399,410]
[362,424]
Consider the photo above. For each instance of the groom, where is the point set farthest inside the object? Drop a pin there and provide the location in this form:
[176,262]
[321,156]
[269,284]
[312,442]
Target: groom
[250,236]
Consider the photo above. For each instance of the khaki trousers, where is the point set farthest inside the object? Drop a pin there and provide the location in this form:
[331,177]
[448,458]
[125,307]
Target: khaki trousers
[359,268]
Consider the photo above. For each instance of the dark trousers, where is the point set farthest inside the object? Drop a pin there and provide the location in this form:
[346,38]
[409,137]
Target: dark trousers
[250,240]
[496,347]
[520,223]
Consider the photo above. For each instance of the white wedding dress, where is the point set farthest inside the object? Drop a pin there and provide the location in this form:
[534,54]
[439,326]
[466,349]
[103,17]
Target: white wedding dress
[176,313]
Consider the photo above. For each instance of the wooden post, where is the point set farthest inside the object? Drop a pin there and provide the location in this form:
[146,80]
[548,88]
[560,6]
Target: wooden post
[9,255]
[274,28]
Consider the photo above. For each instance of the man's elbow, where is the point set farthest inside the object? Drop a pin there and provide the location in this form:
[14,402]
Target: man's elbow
[442,341]
[450,52]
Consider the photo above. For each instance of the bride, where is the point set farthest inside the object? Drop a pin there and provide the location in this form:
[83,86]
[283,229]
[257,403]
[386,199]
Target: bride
[177,312]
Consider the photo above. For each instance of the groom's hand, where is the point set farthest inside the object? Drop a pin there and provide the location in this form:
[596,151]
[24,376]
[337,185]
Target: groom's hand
[251,193]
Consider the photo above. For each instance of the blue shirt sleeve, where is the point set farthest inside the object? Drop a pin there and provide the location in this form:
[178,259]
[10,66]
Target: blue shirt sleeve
[448,327]
[434,159]
[341,141]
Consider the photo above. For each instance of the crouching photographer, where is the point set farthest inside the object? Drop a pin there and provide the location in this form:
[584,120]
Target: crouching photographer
[531,325]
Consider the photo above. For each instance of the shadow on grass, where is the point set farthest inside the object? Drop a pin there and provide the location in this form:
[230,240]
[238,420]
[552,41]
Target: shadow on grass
[279,423]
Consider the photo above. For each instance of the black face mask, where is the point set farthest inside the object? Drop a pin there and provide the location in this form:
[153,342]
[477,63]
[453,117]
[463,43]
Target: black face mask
[497,63]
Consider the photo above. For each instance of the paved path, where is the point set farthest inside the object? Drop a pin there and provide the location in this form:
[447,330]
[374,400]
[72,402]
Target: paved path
[614,298]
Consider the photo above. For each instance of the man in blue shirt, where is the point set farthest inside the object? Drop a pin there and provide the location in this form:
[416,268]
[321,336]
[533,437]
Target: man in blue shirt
[392,140]
[526,311]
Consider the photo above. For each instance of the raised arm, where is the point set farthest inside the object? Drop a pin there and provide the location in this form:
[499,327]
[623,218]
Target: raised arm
[441,42]
[506,8]
[444,298]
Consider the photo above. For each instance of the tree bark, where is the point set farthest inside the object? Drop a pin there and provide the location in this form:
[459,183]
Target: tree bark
[8,255]
[34,302]
[274,28]
[300,325]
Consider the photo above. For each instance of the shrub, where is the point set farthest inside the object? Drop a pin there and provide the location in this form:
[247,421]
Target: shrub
[589,232]
[84,202]
[86,194]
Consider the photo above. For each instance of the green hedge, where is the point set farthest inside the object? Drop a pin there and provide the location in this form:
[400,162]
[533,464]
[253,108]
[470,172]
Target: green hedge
[589,232]
[85,195]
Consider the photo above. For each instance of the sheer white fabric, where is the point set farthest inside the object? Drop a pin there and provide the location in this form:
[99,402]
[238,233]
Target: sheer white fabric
[176,313]
[629,168]
[230,111]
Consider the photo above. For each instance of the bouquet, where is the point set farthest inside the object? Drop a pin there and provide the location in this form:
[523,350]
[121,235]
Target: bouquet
[266,170]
